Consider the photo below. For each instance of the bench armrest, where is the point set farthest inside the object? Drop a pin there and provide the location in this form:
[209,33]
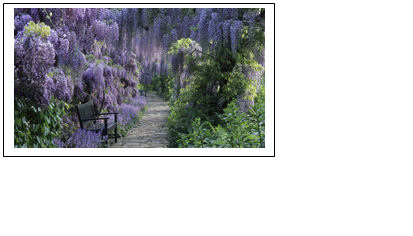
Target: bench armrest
[110,113]
[103,118]
[107,113]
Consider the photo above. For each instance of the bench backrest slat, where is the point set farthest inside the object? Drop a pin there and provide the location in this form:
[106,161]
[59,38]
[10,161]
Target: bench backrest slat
[86,111]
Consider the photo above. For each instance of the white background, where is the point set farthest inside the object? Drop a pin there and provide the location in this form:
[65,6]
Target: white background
[344,138]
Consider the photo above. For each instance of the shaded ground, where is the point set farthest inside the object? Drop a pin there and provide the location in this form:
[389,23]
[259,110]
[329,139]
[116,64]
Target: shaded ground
[150,131]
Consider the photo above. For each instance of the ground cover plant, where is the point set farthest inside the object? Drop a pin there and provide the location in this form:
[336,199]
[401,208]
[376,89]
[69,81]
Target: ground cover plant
[207,63]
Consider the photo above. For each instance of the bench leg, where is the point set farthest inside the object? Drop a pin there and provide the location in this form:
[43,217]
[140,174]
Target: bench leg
[116,127]
[105,131]
[116,133]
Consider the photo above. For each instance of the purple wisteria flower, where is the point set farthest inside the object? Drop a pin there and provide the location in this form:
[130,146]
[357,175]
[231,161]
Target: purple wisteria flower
[235,35]
[81,139]
[128,111]
[21,21]
[33,57]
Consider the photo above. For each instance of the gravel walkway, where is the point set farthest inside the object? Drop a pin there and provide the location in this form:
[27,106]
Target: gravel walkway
[150,131]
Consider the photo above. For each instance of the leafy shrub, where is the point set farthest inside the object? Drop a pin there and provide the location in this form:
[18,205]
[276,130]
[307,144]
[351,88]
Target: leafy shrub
[237,130]
[162,85]
[211,91]
[36,126]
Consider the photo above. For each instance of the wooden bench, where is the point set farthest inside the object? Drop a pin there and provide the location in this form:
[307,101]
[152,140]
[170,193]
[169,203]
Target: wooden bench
[88,116]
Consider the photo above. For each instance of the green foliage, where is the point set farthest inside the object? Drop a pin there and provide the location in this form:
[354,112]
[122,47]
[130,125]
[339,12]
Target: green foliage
[193,28]
[33,29]
[49,16]
[38,126]
[187,12]
[183,43]
[198,137]
[99,44]
[162,85]
[90,57]
[238,129]
[257,117]
[235,125]
[206,107]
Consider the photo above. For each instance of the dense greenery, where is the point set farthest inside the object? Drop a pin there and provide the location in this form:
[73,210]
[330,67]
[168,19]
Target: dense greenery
[236,129]
[163,85]
[38,126]
[205,111]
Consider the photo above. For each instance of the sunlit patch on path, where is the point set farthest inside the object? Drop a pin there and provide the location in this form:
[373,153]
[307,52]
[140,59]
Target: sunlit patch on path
[150,132]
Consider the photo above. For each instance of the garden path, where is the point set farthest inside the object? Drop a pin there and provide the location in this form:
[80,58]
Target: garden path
[150,131]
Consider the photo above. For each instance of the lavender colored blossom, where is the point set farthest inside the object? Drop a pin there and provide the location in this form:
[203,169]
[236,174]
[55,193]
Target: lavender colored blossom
[157,29]
[78,91]
[174,35]
[104,14]
[131,66]
[121,58]
[164,66]
[113,32]
[62,85]
[21,21]
[81,139]
[235,35]
[166,41]
[93,78]
[226,25]
[145,17]
[99,29]
[177,61]
[128,111]
[57,15]
[204,17]
[34,13]
[73,15]
[21,11]
[49,89]
[249,17]
[215,30]
[33,56]
[63,49]
[97,50]
[184,27]
[230,13]
[91,15]
[54,38]
[78,61]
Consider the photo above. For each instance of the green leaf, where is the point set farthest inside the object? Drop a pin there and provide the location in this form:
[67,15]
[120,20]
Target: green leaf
[46,131]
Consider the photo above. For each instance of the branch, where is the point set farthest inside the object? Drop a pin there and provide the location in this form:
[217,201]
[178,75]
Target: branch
[204,53]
